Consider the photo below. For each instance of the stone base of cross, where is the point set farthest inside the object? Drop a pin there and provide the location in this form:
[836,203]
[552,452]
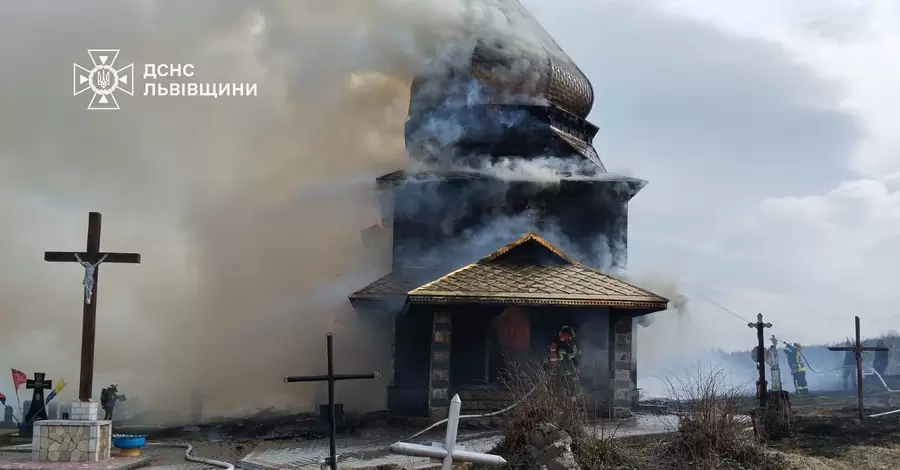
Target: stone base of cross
[449,452]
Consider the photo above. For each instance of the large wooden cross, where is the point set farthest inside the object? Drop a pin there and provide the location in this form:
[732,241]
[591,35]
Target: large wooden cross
[857,348]
[331,378]
[90,259]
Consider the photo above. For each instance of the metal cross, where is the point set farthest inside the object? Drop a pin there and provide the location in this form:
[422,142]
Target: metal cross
[449,451]
[761,358]
[857,348]
[89,321]
[331,378]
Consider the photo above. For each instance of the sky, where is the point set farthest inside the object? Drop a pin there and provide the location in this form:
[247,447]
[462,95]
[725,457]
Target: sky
[766,130]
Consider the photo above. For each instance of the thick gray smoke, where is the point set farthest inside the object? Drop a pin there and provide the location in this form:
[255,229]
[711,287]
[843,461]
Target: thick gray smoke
[247,210]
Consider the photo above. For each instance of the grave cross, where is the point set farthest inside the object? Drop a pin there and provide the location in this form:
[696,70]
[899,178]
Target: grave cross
[449,451]
[760,358]
[37,410]
[90,259]
[331,378]
[857,348]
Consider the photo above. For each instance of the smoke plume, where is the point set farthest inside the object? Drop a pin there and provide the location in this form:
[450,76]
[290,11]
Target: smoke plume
[246,210]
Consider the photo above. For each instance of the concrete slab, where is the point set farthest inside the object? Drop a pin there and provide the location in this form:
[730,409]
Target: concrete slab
[114,463]
[356,454]
[17,448]
[184,466]
[372,451]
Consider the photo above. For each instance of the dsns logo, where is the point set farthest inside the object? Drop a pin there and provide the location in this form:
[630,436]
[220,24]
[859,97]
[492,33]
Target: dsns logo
[103,79]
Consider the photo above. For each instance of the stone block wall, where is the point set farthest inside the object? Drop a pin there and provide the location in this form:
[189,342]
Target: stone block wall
[84,411]
[71,441]
[621,376]
[439,373]
[394,321]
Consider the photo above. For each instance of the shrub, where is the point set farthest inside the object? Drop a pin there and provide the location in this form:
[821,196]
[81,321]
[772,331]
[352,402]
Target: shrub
[542,397]
[712,430]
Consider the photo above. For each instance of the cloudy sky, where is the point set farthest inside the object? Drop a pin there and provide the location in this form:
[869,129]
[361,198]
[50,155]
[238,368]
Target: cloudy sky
[766,129]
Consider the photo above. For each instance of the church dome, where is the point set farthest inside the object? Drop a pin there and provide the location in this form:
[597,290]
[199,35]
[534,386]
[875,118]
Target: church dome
[518,64]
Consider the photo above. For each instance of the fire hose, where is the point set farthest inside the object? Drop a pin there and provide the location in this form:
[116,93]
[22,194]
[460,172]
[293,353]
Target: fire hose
[190,458]
[485,415]
[880,379]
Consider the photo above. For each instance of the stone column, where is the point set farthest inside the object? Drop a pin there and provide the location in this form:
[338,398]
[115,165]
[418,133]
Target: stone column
[621,366]
[439,373]
[393,376]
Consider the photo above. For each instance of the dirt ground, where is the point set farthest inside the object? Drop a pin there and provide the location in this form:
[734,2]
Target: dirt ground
[826,434]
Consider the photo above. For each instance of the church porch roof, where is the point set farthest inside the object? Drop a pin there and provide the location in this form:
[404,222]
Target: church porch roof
[509,275]
[528,271]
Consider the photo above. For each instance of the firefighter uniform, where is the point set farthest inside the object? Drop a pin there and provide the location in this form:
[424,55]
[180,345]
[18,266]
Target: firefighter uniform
[798,371]
[562,354]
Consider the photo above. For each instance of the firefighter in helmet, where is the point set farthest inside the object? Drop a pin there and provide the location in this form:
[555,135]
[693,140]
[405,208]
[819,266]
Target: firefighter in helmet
[562,353]
[798,372]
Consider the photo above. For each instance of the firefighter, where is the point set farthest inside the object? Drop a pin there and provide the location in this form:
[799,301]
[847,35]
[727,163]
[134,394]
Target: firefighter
[848,377]
[798,372]
[880,363]
[562,353]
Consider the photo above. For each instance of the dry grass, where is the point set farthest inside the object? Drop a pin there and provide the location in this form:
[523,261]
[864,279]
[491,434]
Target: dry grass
[543,397]
[711,427]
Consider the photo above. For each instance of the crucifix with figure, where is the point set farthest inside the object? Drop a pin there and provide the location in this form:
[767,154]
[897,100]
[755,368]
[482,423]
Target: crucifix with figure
[90,260]
[331,378]
[857,348]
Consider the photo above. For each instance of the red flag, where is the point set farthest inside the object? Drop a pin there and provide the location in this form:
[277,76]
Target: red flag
[19,378]
[3,399]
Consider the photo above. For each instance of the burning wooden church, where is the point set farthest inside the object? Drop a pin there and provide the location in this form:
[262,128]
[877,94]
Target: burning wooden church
[489,260]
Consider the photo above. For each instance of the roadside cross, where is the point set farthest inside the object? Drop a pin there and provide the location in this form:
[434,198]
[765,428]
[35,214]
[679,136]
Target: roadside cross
[38,409]
[760,358]
[331,378]
[90,260]
[449,452]
[857,348]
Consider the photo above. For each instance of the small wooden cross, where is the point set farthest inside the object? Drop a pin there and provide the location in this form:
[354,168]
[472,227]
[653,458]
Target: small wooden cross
[449,451]
[331,378]
[858,349]
[94,257]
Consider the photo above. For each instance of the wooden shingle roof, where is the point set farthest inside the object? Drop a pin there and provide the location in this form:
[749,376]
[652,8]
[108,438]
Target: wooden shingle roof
[503,277]
[528,271]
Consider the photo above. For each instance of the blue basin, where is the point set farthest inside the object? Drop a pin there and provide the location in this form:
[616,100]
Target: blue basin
[128,441]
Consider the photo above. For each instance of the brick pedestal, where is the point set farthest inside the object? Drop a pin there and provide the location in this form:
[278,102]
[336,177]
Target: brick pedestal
[71,441]
[84,411]
[439,373]
[621,377]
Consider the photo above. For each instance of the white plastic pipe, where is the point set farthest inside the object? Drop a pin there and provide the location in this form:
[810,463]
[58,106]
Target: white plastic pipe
[452,429]
[476,457]
[420,450]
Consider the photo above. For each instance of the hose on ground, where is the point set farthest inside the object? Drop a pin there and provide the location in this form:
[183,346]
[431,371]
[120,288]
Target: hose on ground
[485,415]
[881,379]
[813,370]
[190,458]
